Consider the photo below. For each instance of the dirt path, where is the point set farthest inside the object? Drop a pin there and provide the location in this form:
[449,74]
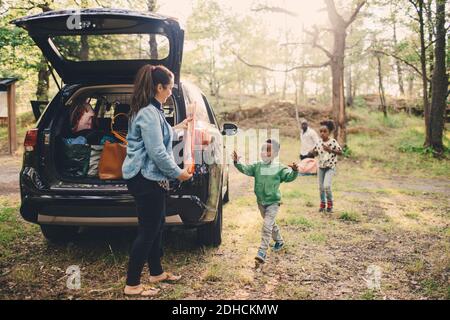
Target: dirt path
[9,175]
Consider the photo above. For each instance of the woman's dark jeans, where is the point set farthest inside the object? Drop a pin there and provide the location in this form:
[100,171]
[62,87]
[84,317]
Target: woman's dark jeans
[147,247]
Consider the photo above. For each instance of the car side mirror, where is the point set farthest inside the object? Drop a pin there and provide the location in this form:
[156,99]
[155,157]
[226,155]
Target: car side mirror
[229,129]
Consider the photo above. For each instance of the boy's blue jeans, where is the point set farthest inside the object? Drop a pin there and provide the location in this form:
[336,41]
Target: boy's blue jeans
[325,177]
[270,229]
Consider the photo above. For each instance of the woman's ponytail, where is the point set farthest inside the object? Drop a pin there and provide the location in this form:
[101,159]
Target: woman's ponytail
[147,79]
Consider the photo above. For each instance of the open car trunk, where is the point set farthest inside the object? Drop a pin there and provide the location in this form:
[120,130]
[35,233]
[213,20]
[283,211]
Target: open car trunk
[105,45]
[75,156]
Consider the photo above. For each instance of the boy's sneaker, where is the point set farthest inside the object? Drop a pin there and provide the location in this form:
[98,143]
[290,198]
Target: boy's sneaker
[260,256]
[329,210]
[322,210]
[278,246]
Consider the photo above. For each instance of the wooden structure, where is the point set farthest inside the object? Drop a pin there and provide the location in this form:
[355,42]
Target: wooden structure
[8,110]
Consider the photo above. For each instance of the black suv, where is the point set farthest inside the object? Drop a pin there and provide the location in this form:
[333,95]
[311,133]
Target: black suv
[96,53]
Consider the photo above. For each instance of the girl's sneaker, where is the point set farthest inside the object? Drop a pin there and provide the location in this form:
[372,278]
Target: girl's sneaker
[330,206]
[278,246]
[260,256]
[322,206]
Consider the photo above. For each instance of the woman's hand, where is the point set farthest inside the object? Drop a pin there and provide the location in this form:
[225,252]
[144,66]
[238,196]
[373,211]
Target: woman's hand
[185,175]
[184,124]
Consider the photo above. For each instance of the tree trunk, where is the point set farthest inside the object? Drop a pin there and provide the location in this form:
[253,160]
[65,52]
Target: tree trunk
[430,60]
[84,50]
[43,84]
[264,84]
[283,92]
[423,63]
[339,27]
[439,81]
[302,98]
[337,75]
[397,64]
[349,86]
[411,85]
[381,87]
[153,45]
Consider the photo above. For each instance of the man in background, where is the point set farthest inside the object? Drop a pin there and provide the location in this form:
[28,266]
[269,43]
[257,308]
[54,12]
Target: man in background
[308,139]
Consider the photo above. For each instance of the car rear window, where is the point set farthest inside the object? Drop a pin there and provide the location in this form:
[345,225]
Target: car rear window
[112,47]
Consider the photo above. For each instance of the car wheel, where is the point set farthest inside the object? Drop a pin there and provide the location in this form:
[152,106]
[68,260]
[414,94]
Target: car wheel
[59,234]
[226,197]
[211,234]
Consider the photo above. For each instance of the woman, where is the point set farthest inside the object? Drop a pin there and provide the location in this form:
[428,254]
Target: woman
[147,167]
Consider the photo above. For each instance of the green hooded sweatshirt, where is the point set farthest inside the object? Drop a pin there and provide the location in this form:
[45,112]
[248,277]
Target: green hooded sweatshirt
[268,177]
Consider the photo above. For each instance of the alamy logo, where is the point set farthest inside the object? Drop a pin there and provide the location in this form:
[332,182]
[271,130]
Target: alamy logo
[373,279]
[74,278]
[74,20]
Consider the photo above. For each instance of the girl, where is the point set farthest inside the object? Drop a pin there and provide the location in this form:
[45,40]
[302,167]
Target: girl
[327,149]
[147,167]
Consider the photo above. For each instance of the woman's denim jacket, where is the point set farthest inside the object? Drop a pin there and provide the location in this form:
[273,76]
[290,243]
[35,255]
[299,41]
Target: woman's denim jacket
[149,147]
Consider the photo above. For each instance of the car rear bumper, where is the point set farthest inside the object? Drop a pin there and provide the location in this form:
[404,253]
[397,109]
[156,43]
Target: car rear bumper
[114,210]
[99,221]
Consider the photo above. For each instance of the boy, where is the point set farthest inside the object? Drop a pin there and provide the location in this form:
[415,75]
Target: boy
[268,177]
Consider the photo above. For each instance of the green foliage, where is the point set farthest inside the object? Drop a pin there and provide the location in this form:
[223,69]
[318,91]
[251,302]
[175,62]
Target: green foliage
[368,295]
[297,221]
[359,102]
[347,152]
[349,216]
[412,142]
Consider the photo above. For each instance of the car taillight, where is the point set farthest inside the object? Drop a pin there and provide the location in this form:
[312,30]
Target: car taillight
[30,139]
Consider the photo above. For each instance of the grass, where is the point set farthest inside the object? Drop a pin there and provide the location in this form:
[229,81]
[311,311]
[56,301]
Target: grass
[368,295]
[350,216]
[316,237]
[214,273]
[399,132]
[297,221]
[416,266]
[10,226]
[433,288]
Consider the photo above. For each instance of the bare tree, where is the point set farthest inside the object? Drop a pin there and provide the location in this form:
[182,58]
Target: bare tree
[336,62]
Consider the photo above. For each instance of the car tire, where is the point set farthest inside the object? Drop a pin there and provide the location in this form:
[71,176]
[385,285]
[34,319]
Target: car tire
[210,234]
[59,234]
[226,197]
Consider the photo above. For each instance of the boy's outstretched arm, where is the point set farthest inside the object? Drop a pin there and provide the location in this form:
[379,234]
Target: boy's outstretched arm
[248,170]
[288,175]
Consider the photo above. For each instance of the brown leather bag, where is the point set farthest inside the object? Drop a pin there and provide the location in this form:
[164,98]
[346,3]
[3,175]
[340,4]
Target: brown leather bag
[113,155]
